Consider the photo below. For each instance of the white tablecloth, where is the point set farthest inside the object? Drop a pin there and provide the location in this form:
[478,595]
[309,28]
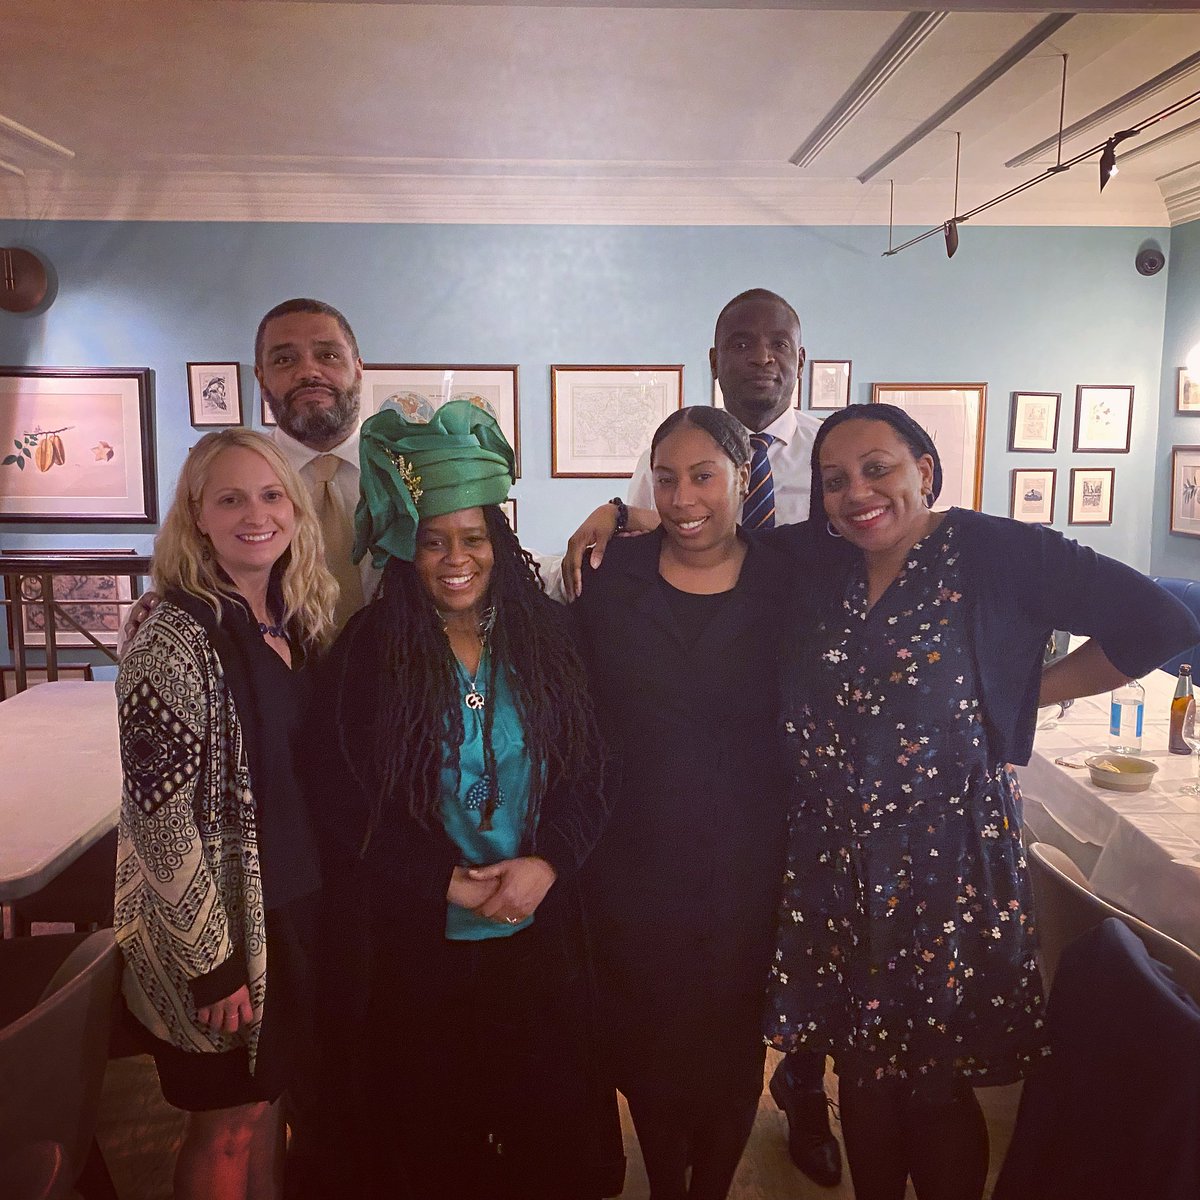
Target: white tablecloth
[60,780]
[1148,842]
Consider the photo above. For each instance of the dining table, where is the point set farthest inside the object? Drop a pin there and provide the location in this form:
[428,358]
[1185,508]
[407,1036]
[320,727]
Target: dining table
[60,780]
[1140,850]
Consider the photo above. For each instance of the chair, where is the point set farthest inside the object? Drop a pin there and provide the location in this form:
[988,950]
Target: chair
[39,1171]
[57,999]
[1065,907]
[1114,1112]
[1187,591]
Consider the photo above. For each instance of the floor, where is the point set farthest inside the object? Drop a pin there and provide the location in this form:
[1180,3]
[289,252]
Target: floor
[139,1134]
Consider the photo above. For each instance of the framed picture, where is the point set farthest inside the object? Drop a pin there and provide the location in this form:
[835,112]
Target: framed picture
[1187,394]
[1103,418]
[1033,496]
[509,509]
[828,383]
[719,397]
[1033,427]
[214,394]
[79,445]
[602,418]
[265,417]
[36,675]
[953,415]
[99,603]
[1091,495]
[1185,490]
[419,390]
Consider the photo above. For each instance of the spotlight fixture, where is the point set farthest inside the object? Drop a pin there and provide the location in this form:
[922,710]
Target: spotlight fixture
[1108,157]
[951,231]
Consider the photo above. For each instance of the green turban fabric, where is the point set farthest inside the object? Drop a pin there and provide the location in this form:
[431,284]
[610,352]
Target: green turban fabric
[413,469]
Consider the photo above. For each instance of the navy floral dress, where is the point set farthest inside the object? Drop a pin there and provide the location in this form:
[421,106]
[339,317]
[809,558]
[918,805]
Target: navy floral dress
[905,946]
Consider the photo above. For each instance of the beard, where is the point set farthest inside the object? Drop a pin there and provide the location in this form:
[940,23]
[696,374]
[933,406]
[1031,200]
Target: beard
[316,425]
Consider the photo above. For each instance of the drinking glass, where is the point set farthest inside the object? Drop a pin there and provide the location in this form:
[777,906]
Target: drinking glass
[1191,735]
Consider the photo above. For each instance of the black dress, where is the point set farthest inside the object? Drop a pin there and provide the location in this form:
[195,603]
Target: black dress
[681,890]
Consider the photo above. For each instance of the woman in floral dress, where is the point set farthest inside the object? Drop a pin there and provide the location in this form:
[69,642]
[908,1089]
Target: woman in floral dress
[906,946]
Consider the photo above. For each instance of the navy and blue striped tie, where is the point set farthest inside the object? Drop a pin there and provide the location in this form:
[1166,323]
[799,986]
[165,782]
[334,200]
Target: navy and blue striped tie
[758,511]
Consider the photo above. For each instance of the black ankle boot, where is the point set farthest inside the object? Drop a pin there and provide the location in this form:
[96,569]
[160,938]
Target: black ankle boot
[811,1144]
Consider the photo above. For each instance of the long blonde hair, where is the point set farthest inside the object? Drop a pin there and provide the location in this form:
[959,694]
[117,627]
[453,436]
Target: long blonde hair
[183,556]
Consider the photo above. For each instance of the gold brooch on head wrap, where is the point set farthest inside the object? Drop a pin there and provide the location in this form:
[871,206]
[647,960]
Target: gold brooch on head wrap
[411,479]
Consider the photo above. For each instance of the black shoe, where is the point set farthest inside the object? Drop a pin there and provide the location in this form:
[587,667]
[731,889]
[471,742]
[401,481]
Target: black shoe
[811,1144]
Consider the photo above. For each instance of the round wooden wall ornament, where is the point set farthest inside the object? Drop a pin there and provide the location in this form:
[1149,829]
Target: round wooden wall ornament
[23,280]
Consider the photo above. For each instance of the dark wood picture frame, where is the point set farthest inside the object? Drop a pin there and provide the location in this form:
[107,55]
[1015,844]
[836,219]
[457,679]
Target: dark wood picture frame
[844,390]
[1015,445]
[1019,495]
[1097,445]
[1074,514]
[216,386]
[130,452]
[1187,394]
[1185,490]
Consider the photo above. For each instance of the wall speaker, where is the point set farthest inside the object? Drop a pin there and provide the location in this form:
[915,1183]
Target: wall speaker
[1150,260]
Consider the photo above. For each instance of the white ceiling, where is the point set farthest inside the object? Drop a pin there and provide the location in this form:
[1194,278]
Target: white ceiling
[679,112]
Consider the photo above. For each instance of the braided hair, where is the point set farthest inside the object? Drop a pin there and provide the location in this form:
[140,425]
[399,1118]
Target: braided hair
[418,722]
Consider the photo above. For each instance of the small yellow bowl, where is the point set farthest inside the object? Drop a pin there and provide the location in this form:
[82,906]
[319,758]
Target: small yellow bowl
[1123,772]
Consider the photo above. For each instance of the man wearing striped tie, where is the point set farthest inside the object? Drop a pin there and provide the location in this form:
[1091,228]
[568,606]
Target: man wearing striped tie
[757,357]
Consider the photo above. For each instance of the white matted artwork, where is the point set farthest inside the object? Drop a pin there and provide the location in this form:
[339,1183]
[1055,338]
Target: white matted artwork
[1185,490]
[418,390]
[509,509]
[214,394]
[602,418]
[1033,496]
[1187,393]
[1103,418]
[719,397]
[953,415]
[1034,425]
[828,384]
[1092,496]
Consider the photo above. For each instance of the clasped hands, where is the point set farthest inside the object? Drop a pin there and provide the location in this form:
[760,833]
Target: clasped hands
[507,891]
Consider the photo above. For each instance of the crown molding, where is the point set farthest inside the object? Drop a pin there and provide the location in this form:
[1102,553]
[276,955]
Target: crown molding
[426,191]
[1181,193]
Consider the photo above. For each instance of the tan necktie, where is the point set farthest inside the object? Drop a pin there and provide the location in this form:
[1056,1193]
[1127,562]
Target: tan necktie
[338,532]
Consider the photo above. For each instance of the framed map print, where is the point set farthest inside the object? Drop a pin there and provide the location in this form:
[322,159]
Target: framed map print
[953,416]
[602,418]
[420,389]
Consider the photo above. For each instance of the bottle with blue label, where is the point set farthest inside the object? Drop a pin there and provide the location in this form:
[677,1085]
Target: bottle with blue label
[1125,719]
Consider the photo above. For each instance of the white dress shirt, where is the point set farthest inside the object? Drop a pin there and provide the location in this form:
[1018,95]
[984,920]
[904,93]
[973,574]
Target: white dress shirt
[346,481]
[790,456]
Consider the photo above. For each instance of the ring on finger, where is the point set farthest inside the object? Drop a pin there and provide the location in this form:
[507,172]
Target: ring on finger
[513,920]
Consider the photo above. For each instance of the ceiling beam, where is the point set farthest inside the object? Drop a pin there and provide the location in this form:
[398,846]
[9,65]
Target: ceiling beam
[907,39]
[1005,63]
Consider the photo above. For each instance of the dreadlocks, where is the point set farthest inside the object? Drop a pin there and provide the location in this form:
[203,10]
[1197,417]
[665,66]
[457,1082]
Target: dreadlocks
[418,717]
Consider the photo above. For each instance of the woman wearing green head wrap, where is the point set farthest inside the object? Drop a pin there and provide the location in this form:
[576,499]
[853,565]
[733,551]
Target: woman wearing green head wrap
[467,771]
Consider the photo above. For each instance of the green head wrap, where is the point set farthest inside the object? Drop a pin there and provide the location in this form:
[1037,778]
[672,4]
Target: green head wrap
[412,470]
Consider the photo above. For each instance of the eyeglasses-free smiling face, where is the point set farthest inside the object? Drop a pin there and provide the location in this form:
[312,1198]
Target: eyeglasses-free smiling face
[756,360]
[697,490]
[246,513]
[454,561]
[875,486]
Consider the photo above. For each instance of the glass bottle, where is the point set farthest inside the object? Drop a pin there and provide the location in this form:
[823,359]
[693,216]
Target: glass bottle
[1125,721]
[1177,744]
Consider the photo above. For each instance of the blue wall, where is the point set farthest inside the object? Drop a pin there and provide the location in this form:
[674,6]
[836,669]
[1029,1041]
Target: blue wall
[1036,309]
[1173,553]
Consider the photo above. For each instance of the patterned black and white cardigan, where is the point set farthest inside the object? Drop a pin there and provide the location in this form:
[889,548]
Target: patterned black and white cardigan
[189,902]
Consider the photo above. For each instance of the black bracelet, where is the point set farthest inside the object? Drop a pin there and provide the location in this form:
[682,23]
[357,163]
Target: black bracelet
[622,514]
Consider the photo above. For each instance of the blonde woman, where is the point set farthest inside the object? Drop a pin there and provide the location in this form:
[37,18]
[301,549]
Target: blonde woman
[217,868]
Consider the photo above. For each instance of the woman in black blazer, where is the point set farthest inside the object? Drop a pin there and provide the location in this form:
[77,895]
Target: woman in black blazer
[680,633]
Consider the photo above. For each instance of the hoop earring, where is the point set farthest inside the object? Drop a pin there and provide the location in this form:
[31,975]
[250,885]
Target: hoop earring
[831,531]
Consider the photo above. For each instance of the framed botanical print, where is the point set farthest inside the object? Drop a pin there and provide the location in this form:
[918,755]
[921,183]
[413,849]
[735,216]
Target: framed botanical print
[953,415]
[1033,496]
[1033,426]
[1092,496]
[1185,490]
[80,445]
[1103,418]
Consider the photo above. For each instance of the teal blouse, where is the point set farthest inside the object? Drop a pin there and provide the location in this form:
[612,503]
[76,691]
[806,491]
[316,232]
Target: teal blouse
[462,808]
